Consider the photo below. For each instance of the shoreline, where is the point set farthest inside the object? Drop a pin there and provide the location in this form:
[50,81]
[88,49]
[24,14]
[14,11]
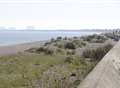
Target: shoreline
[16,48]
[21,47]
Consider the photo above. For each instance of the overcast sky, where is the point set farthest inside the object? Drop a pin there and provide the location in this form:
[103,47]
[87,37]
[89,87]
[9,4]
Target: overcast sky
[60,14]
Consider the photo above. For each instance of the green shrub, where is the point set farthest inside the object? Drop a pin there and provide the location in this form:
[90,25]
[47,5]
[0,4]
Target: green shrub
[52,40]
[47,43]
[41,49]
[87,53]
[95,38]
[98,53]
[65,38]
[77,43]
[69,59]
[31,50]
[88,38]
[113,35]
[69,45]
[49,51]
[60,45]
[45,50]
[60,51]
[83,43]
[75,37]
[59,38]
[70,52]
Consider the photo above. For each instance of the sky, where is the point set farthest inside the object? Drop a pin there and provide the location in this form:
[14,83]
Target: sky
[60,14]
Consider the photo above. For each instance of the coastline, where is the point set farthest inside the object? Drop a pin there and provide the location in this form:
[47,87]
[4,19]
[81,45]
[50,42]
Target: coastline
[20,47]
[72,56]
[16,48]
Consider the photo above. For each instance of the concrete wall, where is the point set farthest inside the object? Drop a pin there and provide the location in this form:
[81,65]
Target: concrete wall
[107,72]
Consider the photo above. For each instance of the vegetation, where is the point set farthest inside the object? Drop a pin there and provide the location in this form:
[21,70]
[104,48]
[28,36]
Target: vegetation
[69,59]
[71,69]
[98,53]
[41,71]
[95,38]
[56,64]
[115,35]
[45,50]
[69,45]
[79,43]
[24,69]
[70,52]
[59,38]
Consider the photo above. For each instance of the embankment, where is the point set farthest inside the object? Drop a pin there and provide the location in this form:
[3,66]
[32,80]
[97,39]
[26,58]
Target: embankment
[107,72]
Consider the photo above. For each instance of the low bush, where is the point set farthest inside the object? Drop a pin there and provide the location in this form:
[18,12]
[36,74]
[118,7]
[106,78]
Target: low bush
[49,51]
[41,49]
[31,50]
[65,38]
[98,53]
[83,43]
[95,38]
[69,59]
[70,52]
[77,43]
[60,45]
[113,35]
[60,51]
[59,38]
[47,43]
[52,40]
[45,50]
[69,45]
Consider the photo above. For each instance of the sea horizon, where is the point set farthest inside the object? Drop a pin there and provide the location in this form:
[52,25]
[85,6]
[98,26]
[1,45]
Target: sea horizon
[11,37]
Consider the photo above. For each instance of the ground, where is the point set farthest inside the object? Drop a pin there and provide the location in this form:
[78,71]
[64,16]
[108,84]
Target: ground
[33,70]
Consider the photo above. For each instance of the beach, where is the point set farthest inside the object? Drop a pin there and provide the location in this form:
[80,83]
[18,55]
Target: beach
[64,59]
[12,42]
[17,48]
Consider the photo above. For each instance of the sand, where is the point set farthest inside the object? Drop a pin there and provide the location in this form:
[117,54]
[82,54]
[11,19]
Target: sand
[14,49]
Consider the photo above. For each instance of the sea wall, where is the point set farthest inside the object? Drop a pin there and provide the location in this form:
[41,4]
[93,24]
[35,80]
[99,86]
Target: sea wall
[107,72]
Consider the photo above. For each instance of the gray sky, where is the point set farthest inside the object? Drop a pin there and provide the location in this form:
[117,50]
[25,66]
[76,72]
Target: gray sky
[60,14]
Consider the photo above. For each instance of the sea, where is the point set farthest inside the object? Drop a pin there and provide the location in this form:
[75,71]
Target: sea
[10,37]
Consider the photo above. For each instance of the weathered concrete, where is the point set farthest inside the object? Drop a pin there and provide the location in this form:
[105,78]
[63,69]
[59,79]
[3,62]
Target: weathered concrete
[107,73]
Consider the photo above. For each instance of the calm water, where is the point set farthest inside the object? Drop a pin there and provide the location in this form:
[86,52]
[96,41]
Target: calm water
[16,37]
